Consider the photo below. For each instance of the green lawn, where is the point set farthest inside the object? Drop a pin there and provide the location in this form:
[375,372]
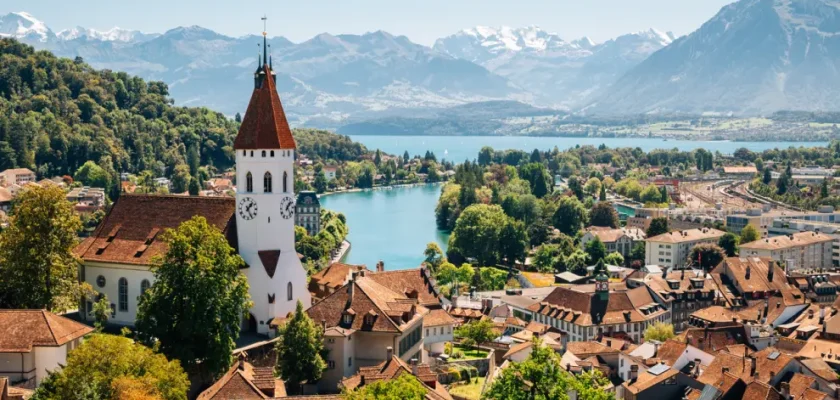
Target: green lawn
[471,390]
[470,354]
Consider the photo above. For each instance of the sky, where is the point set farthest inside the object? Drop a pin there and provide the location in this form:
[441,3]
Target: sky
[421,21]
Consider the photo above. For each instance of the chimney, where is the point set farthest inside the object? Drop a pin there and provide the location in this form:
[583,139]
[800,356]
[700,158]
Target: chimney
[785,389]
[350,286]
[747,274]
[609,343]
[380,266]
[770,268]
[241,361]
[634,372]
[324,324]
[822,314]
[414,366]
[389,353]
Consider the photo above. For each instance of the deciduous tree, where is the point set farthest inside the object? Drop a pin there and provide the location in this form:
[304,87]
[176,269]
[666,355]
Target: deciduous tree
[476,332]
[749,234]
[299,351]
[706,256]
[596,250]
[404,387]
[603,214]
[657,227]
[729,243]
[194,309]
[659,331]
[570,216]
[477,231]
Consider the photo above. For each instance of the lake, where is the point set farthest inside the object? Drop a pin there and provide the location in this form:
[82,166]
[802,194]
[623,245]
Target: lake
[392,225]
[460,148]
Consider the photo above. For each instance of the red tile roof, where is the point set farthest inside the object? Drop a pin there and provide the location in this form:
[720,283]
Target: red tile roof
[393,368]
[405,280]
[760,391]
[264,125]
[438,317]
[20,330]
[130,232]
[332,277]
[245,382]
[588,308]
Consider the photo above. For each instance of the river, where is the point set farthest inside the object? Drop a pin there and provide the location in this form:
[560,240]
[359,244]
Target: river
[394,225]
[460,148]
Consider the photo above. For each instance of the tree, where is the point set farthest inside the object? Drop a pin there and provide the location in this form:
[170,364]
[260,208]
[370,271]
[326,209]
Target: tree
[92,174]
[108,366]
[767,177]
[513,241]
[377,159]
[593,186]
[37,264]
[238,118]
[596,250]
[576,262]
[657,227]
[729,243]
[824,189]
[194,187]
[194,308]
[320,182]
[434,256]
[637,253]
[614,258]
[490,278]
[569,216]
[477,233]
[299,351]
[706,256]
[603,195]
[476,332]
[749,234]
[544,257]
[603,214]
[543,377]
[538,232]
[651,194]
[485,156]
[404,387]
[782,185]
[101,312]
[448,274]
[659,331]
[576,187]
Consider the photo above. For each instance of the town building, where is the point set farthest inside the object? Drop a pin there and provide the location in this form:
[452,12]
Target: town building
[620,240]
[684,291]
[757,284]
[392,368]
[362,321]
[740,172]
[333,277]
[671,250]
[440,328]
[243,381]
[308,212]
[329,173]
[258,223]
[643,216]
[586,312]
[786,227]
[17,176]
[803,250]
[35,342]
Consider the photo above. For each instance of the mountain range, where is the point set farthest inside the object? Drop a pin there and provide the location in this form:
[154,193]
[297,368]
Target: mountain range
[753,57]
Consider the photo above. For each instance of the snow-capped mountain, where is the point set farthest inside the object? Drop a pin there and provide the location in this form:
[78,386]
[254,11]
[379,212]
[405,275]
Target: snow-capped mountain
[565,73]
[115,34]
[754,56]
[22,25]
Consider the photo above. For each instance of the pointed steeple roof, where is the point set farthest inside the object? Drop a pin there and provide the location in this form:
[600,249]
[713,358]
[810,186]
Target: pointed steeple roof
[264,125]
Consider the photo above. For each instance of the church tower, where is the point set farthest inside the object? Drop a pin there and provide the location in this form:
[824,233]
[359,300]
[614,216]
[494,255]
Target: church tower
[265,204]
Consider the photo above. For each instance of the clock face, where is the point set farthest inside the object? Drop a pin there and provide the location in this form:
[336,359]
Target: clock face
[287,207]
[247,208]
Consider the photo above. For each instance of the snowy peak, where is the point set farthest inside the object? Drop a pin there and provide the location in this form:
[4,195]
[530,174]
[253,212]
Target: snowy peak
[22,25]
[115,34]
[506,39]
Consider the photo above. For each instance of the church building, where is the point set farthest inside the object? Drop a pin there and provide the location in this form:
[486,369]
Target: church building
[259,223]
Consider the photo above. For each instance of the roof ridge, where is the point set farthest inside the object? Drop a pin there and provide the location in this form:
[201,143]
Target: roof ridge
[49,326]
[375,303]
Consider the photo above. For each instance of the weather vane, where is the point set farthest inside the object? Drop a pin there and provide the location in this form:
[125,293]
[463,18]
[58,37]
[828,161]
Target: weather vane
[264,20]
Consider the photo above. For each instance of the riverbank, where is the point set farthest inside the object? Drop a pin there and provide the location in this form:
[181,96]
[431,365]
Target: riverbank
[342,252]
[383,187]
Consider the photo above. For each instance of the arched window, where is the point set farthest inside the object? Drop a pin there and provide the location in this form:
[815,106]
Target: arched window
[272,153]
[123,294]
[289,295]
[252,153]
[249,182]
[285,182]
[244,153]
[267,182]
[144,286]
[263,153]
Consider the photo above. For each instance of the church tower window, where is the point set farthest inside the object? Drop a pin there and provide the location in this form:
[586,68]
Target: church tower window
[249,182]
[285,182]
[289,295]
[267,182]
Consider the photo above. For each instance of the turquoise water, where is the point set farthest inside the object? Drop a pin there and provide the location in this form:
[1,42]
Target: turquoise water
[392,225]
[460,148]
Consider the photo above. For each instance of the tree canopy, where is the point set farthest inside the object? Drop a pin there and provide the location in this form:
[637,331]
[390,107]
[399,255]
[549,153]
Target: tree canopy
[194,308]
[299,350]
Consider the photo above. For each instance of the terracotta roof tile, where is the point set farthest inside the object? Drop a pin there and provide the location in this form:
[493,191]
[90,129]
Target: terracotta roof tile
[784,242]
[332,277]
[438,317]
[608,235]
[587,308]
[130,232]
[737,366]
[404,280]
[689,235]
[20,330]
[760,391]
[768,367]
[393,368]
[264,125]
[670,351]
[647,380]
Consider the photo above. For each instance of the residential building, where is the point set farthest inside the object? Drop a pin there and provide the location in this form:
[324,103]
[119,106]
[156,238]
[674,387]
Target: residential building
[35,342]
[786,227]
[585,312]
[6,198]
[439,326]
[660,382]
[392,368]
[620,240]
[683,291]
[754,285]
[329,173]
[308,212]
[671,250]
[243,381]
[740,172]
[87,199]
[17,176]
[258,223]
[361,321]
[803,250]
[642,216]
[333,277]
[754,217]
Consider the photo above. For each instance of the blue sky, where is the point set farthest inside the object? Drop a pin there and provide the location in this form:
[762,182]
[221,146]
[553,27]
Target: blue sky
[422,21]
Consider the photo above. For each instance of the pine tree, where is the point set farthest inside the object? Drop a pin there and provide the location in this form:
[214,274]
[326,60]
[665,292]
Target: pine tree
[603,195]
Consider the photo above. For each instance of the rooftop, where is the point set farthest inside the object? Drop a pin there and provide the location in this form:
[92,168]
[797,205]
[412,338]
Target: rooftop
[786,242]
[690,235]
[21,330]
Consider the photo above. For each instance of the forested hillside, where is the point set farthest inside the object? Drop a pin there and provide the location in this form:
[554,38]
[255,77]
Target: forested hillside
[56,114]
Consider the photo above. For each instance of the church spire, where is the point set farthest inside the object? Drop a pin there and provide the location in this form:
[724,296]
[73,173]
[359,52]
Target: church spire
[265,40]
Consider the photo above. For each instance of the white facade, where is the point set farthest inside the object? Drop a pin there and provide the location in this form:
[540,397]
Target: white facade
[36,364]
[436,337]
[265,221]
[96,273]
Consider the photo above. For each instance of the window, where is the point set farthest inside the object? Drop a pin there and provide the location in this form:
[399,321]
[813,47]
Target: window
[289,295]
[144,286]
[100,281]
[330,364]
[346,319]
[244,153]
[123,294]
[267,182]
[272,153]
[263,153]
[349,361]
[285,182]
[249,182]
